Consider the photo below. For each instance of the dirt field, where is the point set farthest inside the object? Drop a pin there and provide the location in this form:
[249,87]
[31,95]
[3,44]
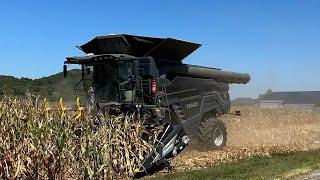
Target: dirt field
[273,127]
[258,132]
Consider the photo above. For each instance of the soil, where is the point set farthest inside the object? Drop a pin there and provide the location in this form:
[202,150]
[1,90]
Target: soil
[274,127]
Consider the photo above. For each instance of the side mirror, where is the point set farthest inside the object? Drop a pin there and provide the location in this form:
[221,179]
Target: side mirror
[65,71]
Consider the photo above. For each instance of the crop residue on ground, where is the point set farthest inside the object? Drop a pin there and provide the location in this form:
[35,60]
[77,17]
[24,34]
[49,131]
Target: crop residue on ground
[258,132]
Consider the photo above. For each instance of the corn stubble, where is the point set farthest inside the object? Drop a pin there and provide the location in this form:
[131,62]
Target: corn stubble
[42,142]
[258,132]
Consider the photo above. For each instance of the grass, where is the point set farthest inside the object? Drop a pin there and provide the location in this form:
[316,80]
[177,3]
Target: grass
[278,166]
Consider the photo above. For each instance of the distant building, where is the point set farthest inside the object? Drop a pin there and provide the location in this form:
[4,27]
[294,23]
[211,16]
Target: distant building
[307,100]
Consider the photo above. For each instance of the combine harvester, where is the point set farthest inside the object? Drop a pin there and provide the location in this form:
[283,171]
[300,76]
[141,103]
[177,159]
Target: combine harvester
[145,76]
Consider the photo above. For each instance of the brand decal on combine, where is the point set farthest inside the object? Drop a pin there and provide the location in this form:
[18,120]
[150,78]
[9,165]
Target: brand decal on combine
[192,105]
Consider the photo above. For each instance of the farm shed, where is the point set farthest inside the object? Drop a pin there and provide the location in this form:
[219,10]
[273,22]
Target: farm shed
[307,100]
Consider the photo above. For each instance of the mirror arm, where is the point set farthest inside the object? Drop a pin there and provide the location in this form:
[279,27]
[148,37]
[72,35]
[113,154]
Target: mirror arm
[65,70]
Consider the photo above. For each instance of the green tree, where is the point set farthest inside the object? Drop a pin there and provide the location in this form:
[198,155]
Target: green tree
[7,90]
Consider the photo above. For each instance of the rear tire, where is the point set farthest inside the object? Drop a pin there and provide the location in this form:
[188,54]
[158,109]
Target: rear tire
[212,134]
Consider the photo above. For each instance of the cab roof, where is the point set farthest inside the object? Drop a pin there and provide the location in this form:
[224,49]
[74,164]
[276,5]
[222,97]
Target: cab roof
[159,48]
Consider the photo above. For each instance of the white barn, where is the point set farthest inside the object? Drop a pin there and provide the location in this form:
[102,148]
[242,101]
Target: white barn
[307,100]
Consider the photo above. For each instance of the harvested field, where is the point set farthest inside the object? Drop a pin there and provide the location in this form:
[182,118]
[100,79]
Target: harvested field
[274,127]
[258,132]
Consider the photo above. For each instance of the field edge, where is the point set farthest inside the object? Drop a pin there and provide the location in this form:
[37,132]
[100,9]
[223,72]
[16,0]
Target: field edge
[279,165]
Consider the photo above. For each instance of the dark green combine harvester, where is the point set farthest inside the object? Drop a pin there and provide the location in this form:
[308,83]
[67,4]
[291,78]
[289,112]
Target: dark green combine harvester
[126,74]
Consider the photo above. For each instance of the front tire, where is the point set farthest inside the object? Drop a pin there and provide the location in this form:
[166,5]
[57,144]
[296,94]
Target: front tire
[213,134]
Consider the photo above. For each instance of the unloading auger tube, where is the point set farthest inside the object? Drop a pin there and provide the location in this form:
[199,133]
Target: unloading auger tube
[187,70]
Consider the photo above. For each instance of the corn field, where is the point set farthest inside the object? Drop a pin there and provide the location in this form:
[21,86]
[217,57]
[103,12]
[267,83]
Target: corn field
[40,141]
[43,141]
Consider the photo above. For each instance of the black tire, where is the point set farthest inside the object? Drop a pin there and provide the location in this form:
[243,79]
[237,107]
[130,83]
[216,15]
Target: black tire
[212,134]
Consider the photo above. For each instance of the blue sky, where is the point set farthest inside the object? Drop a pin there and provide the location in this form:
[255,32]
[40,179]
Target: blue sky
[277,42]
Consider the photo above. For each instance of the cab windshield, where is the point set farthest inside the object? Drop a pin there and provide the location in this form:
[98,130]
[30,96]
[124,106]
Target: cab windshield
[112,81]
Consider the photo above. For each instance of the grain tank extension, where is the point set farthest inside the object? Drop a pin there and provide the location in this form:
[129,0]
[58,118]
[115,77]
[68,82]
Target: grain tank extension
[127,74]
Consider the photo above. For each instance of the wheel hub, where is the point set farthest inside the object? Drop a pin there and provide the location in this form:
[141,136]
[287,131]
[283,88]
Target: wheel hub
[218,137]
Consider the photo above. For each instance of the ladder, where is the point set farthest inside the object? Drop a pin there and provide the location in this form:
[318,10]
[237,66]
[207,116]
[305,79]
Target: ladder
[162,98]
[179,112]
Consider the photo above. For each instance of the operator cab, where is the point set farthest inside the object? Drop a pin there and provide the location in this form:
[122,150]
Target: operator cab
[116,79]
[110,77]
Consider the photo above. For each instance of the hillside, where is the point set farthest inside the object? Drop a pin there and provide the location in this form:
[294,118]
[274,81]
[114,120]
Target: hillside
[52,87]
